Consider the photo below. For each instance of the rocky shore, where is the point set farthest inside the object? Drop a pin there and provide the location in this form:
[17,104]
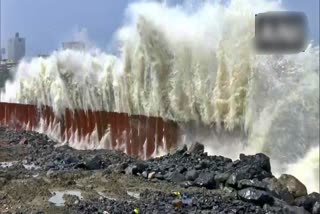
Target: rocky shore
[37,176]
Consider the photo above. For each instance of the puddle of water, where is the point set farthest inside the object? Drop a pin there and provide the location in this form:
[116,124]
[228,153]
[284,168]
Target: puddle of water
[134,194]
[57,198]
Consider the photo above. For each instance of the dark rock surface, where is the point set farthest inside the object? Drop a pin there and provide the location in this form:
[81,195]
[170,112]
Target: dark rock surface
[256,196]
[278,190]
[188,181]
[206,179]
[316,208]
[192,175]
[196,148]
[308,201]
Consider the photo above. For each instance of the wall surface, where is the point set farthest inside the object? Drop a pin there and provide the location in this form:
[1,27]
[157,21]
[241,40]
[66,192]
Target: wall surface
[136,135]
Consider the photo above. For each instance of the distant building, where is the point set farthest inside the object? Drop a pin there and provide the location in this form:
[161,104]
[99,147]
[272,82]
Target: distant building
[16,48]
[73,45]
[43,55]
[2,53]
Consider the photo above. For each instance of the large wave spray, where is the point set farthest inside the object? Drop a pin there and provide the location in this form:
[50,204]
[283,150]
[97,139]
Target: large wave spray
[194,67]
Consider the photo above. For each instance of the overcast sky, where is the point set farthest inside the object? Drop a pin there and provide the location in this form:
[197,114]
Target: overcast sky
[47,23]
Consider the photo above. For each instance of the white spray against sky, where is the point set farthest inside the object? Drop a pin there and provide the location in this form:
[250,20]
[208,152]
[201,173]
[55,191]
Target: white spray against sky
[197,67]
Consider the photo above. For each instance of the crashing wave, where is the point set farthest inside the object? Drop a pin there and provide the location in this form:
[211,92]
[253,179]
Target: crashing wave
[184,66]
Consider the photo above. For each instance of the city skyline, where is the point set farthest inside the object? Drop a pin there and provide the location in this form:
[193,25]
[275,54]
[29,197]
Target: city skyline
[47,24]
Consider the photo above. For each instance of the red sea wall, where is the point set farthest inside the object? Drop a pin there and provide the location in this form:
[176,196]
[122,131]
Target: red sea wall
[137,135]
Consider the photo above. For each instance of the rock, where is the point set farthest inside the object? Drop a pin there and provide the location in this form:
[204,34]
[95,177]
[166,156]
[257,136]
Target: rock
[186,200]
[159,176]
[230,192]
[316,208]
[268,209]
[51,173]
[278,190]
[252,183]
[182,150]
[282,207]
[181,169]
[196,148]
[70,199]
[130,170]
[250,167]
[295,187]
[122,166]
[151,175]
[70,159]
[206,179]
[192,175]
[117,168]
[221,178]
[233,179]
[175,177]
[228,189]
[186,184]
[23,141]
[259,197]
[259,159]
[94,163]
[3,181]
[135,169]
[177,203]
[203,165]
[307,201]
[294,210]
[145,174]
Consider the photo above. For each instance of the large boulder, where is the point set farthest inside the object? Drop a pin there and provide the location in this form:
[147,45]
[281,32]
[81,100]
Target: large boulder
[196,148]
[255,196]
[259,159]
[295,187]
[278,190]
[249,167]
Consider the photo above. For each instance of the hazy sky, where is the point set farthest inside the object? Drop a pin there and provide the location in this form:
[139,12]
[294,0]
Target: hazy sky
[47,23]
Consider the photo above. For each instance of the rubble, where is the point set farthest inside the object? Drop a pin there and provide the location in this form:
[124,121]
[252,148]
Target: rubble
[182,182]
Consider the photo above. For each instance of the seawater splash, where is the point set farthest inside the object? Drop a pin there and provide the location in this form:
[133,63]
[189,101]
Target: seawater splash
[197,68]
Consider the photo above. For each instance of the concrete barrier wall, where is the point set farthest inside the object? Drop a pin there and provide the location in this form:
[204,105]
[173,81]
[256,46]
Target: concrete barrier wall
[136,135]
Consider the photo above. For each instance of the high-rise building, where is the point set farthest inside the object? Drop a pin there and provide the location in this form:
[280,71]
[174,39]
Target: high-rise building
[16,48]
[75,45]
[2,53]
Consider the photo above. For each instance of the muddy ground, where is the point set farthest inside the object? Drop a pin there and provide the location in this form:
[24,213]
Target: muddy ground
[37,176]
